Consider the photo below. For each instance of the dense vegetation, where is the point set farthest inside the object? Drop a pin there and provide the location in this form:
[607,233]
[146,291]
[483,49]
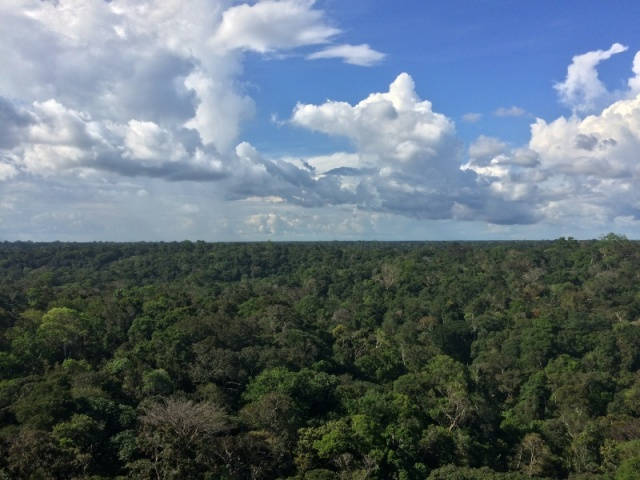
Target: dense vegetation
[320,361]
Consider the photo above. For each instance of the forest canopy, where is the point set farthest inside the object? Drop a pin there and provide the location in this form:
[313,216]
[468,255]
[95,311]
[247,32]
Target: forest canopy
[319,361]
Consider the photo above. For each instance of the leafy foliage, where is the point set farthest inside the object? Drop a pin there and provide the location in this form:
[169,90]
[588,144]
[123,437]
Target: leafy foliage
[407,361]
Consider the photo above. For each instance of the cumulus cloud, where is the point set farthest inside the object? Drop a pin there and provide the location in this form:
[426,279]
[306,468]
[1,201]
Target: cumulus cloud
[362,55]
[137,87]
[485,148]
[152,89]
[493,151]
[220,112]
[394,130]
[582,89]
[292,180]
[407,158]
[577,167]
[122,60]
[59,140]
[270,25]
[502,169]
[605,145]
[572,167]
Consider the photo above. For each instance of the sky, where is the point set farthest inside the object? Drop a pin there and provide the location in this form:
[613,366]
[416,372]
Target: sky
[220,120]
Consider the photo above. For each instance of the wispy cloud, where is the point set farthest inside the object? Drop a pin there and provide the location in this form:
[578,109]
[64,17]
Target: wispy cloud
[472,117]
[361,55]
[512,111]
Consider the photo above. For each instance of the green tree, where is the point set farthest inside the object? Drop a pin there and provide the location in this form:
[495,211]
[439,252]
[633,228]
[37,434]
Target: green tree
[62,331]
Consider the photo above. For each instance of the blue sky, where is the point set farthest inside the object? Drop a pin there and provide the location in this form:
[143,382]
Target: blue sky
[302,120]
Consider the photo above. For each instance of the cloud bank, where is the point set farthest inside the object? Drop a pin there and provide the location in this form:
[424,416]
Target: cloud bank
[148,91]
[138,87]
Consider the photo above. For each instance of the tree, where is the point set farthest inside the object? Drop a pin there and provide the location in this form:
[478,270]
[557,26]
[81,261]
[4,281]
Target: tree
[442,391]
[274,412]
[62,331]
[180,437]
[533,457]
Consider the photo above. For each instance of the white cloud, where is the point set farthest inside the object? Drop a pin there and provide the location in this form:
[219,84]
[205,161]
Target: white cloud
[485,148]
[174,63]
[220,111]
[407,157]
[273,25]
[151,89]
[472,117]
[634,82]
[574,170]
[582,89]
[147,142]
[362,55]
[324,164]
[270,223]
[572,167]
[327,224]
[510,112]
[605,145]
[122,60]
[58,139]
[394,129]
[61,141]
[7,171]
[137,87]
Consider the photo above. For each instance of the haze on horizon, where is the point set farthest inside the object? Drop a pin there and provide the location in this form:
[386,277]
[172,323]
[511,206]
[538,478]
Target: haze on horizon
[318,120]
